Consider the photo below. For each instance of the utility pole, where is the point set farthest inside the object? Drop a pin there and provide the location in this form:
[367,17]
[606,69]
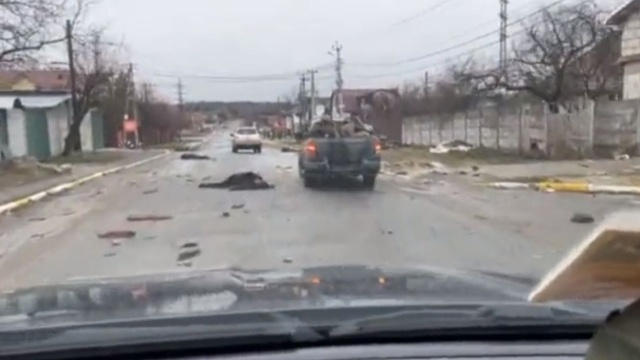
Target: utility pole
[337,50]
[503,37]
[426,84]
[180,96]
[72,73]
[96,53]
[312,75]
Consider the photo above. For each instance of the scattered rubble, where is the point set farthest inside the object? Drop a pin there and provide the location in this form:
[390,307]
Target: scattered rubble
[240,181]
[149,217]
[188,252]
[117,234]
[475,168]
[455,145]
[150,191]
[237,206]
[58,169]
[192,156]
[581,218]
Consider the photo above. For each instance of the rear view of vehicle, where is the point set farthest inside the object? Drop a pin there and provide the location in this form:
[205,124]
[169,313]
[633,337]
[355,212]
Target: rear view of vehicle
[326,158]
[246,138]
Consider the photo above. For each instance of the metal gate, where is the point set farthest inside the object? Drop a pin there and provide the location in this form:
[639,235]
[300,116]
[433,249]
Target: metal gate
[4,136]
[37,128]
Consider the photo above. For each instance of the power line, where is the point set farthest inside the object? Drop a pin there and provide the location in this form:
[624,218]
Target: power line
[242,78]
[422,13]
[467,42]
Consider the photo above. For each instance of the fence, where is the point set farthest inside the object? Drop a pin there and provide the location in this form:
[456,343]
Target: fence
[586,128]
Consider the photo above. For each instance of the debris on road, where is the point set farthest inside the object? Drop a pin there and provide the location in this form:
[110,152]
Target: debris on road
[192,156]
[237,206]
[110,254]
[455,145]
[580,218]
[149,217]
[116,242]
[150,191]
[188,252]
[226,214]
[287,149]
[117,234]
[37,219]
[475,168]
[240,181]
[287,260]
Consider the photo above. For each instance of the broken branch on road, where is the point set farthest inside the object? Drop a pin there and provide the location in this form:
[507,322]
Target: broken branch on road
[149,217]
[117,234]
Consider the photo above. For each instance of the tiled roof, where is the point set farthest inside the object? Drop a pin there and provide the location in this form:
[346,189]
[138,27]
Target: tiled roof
[44,80]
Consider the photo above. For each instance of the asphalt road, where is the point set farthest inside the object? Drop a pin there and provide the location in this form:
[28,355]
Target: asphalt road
[289,226]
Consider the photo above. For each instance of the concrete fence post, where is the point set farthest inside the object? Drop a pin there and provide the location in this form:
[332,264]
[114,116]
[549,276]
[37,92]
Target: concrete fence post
[466,127]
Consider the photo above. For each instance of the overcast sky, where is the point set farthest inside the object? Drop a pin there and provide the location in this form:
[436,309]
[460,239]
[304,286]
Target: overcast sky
[202,40]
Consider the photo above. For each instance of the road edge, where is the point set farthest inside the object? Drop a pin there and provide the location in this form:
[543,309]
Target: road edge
[12,205]
[575,187]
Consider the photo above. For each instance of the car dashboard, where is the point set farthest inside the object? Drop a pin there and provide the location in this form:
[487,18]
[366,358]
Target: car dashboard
[562,350]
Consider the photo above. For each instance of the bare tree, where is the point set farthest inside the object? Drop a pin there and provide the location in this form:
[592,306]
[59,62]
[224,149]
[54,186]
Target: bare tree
[96,66]
[27,26]
[544,59]
[597,73]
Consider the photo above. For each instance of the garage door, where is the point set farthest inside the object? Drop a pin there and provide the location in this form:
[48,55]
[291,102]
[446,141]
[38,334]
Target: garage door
[37,134]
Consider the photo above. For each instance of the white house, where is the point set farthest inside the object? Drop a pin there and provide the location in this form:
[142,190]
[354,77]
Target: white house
[36,124]
[627,18]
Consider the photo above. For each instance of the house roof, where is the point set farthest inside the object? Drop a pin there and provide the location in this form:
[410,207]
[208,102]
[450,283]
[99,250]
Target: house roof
[44,80]
[33,101]
[622,13]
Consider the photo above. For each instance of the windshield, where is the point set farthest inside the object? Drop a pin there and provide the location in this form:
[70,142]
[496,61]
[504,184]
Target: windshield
[413,154]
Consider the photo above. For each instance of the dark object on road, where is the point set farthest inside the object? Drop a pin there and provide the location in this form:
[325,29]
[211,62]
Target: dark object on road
[475,168]
[240,181]
[117,234]
[287,149]
[192,156]
[401,173]
[226,214]
[37,219]
[150,191]
[462,172]
[389,232]
[188,251]
[237,206]
[350,154]
[287,260]
[149,217]
[580,218]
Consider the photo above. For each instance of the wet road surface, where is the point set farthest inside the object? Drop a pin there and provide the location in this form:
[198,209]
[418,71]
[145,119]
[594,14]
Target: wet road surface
[289,226]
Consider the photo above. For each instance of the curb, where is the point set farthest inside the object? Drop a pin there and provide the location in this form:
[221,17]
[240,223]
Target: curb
[577,187]
[4,208]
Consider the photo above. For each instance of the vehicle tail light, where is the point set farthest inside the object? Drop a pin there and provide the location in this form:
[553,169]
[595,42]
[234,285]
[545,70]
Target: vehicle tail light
[377,146]
[310,148]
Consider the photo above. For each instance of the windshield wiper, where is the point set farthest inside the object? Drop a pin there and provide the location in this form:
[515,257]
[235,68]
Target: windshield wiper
[457,319]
